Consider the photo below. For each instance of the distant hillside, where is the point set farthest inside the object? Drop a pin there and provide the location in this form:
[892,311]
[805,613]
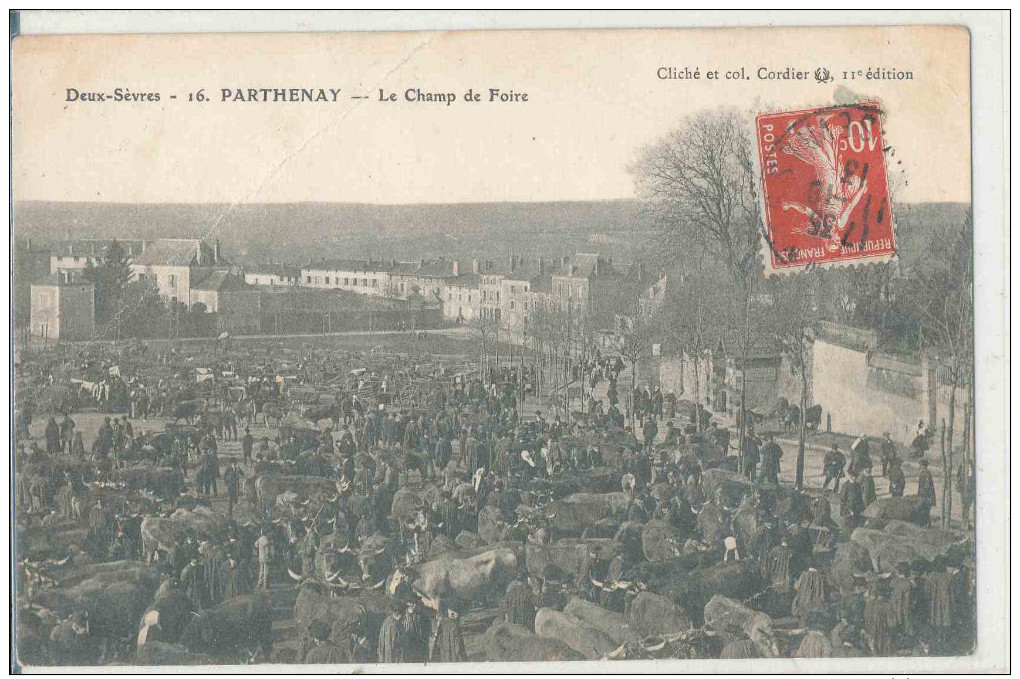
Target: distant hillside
[297,232]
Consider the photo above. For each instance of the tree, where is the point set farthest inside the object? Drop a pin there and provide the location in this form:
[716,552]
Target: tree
[636,336]
[794,318]
[109,280]
[699,185]
[941,290]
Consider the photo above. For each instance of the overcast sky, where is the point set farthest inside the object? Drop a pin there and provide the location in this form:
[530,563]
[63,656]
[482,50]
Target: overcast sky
[594,100]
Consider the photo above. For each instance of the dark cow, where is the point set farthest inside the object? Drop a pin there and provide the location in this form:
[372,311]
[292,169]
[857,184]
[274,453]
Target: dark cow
[315,413]
[113,597]
[242,625]
[188,410]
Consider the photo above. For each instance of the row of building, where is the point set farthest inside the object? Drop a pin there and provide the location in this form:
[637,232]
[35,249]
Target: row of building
[197,275]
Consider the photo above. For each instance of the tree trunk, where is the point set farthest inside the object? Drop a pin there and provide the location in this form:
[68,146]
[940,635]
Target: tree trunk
[697,393]
[942,447]
[947,480]
[743,378]
[802,425]
[633,386]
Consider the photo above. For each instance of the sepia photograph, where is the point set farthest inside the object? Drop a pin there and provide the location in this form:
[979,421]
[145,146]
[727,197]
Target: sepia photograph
[379,351]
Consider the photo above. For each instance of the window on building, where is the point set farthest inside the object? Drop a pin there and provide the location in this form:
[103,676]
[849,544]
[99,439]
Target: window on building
[173,280]
[364,282]
[375,283]
[308,279]
[513,289]
[497,296]
[401,287]
[327,280]
[512,305]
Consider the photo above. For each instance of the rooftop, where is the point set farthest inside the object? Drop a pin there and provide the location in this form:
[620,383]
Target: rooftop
[169,252]
[223,281]
[366,265]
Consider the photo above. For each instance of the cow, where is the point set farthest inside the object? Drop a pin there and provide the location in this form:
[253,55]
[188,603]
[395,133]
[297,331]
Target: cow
[307,488]
[272,411]
[378,556]
[161,653]
[161,481]
[883,509]
[166,619]
[731,620]
[189,410]
[589,641]
[113,597]
[569,554]
[902,541]
[241,626]
[315,413]
[653,615]
[318,602]
[506,642]
[570,516]
[162,533]
[695,589]
[615,625]
[472,579]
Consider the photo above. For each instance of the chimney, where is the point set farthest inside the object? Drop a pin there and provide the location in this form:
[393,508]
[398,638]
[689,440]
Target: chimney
[216,251]
[476,266]
[456,268]
[421,263]
[571,270]
[143,245]
[198,252]
[70,247]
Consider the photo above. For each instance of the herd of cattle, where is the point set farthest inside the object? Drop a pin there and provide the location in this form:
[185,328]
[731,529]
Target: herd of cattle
[682,591]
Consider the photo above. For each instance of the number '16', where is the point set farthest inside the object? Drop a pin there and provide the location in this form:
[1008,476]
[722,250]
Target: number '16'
[859,136]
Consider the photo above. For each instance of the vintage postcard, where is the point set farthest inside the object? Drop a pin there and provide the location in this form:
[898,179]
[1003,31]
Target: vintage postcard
[619,349]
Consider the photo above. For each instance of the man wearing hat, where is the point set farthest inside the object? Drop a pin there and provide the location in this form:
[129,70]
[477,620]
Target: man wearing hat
[519,605]
[233,478]
[851,503]
[355,646]
[832,466]
[771,454]
[552,595]
[897,480]
[193,579]
[247,444]
[323,650]
[888,452]
[926,490]
[447,641]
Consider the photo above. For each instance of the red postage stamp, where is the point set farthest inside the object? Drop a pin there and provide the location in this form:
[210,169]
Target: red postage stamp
[825,186]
